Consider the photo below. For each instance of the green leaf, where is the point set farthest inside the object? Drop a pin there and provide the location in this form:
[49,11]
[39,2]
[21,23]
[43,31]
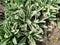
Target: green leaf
[4,42]
[22,41]
[14,40]
[31,40]
[58,1]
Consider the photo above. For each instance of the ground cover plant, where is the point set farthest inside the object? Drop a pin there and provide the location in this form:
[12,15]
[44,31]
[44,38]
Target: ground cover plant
[25,21]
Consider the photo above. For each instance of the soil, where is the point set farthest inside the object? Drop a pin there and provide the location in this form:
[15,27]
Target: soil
[55,38]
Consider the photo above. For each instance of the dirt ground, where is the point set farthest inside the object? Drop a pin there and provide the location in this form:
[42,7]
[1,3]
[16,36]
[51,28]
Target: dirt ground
[55,38]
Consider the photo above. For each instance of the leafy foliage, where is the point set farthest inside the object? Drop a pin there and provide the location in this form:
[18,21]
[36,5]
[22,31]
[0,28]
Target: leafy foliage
[24,22]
